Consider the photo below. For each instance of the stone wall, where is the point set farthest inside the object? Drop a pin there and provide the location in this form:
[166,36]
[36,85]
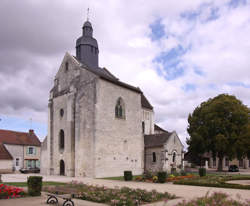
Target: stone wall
[44,158]
[85,124]
[173,145]
[6,166]
[159,163]
[119,141]
[164,155]
[62,100]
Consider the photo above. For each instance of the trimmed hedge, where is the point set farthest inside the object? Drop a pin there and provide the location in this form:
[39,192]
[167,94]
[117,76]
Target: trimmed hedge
[34,185]
[202,172]
[128,175]
[162,176]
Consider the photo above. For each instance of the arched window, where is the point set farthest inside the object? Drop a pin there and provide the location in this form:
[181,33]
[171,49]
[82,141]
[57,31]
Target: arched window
[120,109]
[174,157]
[154,157]
[66,66]
[62,167]
[143,127]
[61,140]
[61,112]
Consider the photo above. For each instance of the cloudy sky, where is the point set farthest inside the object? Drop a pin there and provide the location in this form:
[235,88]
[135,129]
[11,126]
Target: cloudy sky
[179,53]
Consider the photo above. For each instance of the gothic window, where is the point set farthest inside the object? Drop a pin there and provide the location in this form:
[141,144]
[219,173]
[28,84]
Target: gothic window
[154,157]
[143,127]
[61,140]
[120,109]
[174,157]
[66,66]
[92,49]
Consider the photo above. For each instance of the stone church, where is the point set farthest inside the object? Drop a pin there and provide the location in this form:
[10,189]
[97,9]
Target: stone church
[96,123]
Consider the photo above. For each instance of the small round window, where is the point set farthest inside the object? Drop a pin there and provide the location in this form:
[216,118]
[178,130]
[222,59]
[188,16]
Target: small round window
[61,112]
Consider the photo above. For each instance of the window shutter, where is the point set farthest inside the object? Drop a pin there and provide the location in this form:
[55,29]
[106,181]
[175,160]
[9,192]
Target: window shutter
[34,151]
[27,150]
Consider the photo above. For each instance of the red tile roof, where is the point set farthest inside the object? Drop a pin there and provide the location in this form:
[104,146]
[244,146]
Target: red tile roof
[4,154]
[19,138]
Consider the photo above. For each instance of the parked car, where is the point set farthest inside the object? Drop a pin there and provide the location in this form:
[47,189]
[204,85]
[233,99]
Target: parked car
[233,168]
[30,170]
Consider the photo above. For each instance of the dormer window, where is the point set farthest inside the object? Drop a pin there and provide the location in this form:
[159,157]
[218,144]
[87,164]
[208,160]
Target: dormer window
[120,109]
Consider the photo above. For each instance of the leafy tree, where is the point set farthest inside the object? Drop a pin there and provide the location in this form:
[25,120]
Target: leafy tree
[220,126]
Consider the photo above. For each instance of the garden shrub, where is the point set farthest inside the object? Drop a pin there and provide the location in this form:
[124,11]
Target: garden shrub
[128,175]
[202,172]
[162,176]
[34,185]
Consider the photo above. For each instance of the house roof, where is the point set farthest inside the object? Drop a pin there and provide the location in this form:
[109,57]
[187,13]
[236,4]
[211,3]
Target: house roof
[145,103]
[156,140]
[159,128]
[19,138]
[4,153]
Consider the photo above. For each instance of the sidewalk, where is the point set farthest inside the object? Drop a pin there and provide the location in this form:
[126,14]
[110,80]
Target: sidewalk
[182,191]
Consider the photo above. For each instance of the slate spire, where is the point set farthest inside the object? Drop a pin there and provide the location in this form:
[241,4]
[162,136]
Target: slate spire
[86,46]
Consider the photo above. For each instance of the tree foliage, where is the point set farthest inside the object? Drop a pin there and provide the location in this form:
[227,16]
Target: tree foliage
[220,126]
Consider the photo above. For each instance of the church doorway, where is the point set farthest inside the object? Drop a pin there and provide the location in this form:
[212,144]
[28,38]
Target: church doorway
[62,167]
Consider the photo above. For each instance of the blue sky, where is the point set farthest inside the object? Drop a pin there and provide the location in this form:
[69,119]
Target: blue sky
[178,54]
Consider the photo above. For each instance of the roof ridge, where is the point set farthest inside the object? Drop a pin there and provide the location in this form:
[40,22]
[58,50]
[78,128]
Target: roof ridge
[14,131]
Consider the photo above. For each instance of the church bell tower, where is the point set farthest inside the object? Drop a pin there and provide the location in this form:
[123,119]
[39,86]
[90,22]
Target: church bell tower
[86,47]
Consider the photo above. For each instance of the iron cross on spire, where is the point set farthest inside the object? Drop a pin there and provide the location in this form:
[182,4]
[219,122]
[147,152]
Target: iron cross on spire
[88,14]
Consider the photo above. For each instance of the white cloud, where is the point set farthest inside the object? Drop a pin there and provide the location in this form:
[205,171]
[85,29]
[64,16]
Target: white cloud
[219,48]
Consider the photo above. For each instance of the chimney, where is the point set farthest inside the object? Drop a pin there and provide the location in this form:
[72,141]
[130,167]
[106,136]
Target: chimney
[31,131]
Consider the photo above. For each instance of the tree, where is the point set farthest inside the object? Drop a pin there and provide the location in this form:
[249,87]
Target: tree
[221,126]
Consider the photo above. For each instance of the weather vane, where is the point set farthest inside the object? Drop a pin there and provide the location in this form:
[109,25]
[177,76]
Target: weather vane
[88,14]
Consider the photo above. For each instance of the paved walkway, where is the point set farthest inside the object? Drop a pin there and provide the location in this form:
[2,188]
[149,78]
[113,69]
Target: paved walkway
[183,191]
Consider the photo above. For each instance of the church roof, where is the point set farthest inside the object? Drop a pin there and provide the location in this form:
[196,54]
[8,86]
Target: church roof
[159,128]
[19,138]
[103,73]
[145,103]
[4,153]
[156,140]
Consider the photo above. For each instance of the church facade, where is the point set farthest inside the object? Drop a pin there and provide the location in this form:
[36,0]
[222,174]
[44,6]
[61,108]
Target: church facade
[96,123]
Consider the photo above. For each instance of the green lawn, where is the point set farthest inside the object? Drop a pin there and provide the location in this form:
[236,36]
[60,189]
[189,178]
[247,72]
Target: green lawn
[216,181]
[24,184]
[118,178]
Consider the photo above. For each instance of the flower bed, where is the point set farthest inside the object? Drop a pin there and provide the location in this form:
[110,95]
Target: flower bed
[171,178]
[218,199]
[7,192]
[117,196]
[176,178]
